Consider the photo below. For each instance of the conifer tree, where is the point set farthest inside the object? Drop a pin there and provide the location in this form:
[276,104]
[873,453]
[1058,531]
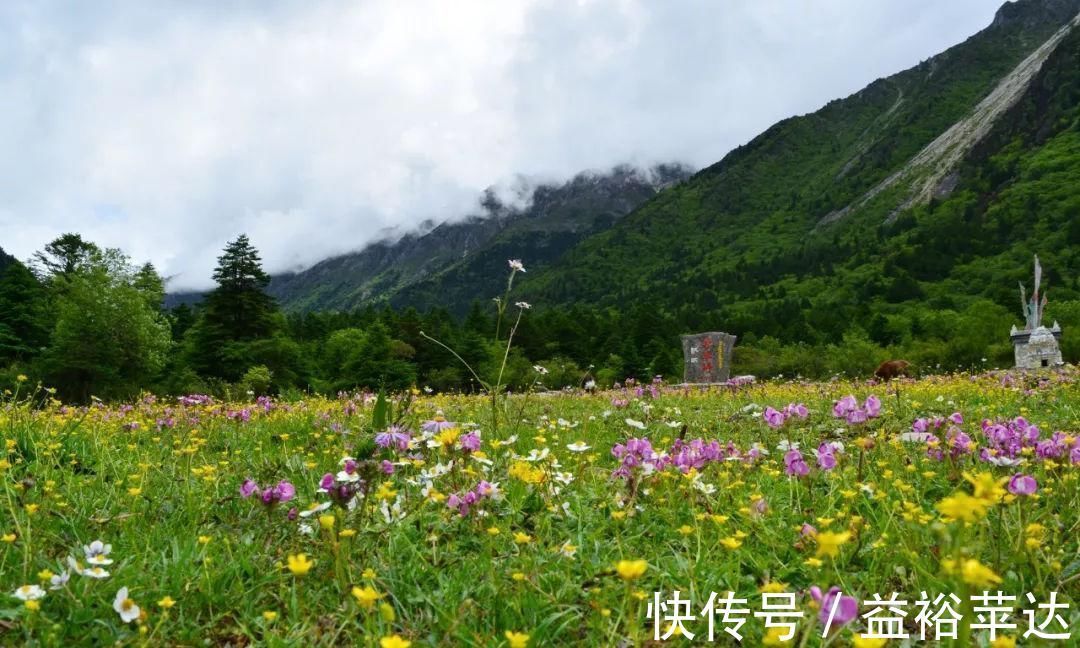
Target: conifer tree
[235,314]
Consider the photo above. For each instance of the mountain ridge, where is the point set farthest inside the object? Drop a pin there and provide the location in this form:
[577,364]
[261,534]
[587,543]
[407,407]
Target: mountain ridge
[565,212]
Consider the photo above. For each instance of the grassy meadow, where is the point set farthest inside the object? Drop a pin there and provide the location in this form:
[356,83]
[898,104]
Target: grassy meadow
[418,520]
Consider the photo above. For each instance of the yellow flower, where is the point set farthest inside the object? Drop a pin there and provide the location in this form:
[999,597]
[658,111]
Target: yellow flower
[773,587]
[774,637]
[813,562]
[44,575]
[269,616]
[731,543]
[527,473]
[518,576]
[686,529]
[386,611]
[975,573]
[961,506]
[386,491]
[987,487]
[1003,642]
[493,530]
[33,605]
[630,570]
[8,537]
[166,602]
[394,641]
[134,492]
[522,538]
[347,533]
[448,437]
[203,540]
[368,573]
[327,521]
[299,564]
[829,543]
[366,596]
[1035,530]
[517,639]
[859,641]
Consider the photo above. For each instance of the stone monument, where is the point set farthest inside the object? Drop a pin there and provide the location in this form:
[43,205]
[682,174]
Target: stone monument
[1036,346]
[707,357]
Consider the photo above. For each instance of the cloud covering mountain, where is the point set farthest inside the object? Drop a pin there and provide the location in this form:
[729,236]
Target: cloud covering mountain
[316,126]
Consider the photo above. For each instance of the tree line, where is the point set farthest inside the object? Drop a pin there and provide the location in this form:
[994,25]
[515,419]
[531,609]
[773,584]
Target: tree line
[89,322]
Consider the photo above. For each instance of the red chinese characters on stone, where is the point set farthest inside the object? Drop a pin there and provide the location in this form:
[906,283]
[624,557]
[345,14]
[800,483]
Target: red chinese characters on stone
[707,354]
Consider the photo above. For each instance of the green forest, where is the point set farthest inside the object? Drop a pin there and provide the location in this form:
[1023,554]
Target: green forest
[89,323]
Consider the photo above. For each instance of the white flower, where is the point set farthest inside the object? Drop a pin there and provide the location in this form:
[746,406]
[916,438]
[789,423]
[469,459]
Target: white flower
[1002,460]
[347,477]
[523,305]
[578,446]
[125,607]
[306,529]
[674,424]
[29,592]
[537,455]
[540,370]
[516,265]
[786,445]
[97,553]
[57,581]
[392,513]
[428,390]
[317,508]
[635,424]
[91,572]
[590,384]
[916,437]
[708,489]
[95,572]
[564,478]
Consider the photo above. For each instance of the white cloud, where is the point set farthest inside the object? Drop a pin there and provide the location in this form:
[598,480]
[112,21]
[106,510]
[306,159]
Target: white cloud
[168,128]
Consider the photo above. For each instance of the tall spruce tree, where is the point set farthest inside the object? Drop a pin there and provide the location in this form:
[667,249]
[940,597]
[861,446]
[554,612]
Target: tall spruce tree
[235,314]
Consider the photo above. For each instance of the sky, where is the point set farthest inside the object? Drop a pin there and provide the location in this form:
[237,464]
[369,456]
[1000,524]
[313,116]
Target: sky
[166,128]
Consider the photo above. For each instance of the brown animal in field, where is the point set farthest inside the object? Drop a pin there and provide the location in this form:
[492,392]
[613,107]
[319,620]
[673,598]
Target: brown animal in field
[891,369]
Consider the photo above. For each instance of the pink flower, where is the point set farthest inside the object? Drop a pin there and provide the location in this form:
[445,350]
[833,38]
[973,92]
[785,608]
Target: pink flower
[1021,484]
[826,459]
[872,406]
[797,409]
[845,405]
[794,464]
[248,488]
[773,417]
[847,608]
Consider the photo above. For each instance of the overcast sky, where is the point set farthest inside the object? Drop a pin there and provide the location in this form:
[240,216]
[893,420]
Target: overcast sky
[166,128]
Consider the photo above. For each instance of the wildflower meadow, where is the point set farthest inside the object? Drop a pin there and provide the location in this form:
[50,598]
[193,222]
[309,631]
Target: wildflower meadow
[546,518]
